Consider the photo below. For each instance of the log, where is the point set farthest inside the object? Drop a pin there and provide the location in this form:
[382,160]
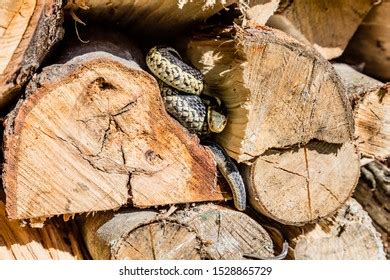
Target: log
[301,185]
[18,242]
[370,45]
[371,104]
[200,232]
[251,70]
[28,31]
[165,19]
[152,19]
[347,235]
[258,11]
[288,113]
[92,134]
[373,194]
[326,25]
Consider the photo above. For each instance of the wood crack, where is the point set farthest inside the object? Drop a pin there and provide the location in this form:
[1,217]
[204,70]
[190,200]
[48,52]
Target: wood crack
[308,183]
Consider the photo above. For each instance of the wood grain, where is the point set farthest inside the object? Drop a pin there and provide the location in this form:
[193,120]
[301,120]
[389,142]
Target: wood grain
[18,242]
[200,232]
[327,25]
[347,235]
[371,104]
[28,31]
[93,135]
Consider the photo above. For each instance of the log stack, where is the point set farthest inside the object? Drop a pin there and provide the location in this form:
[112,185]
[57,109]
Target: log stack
[278,93]
[87,138]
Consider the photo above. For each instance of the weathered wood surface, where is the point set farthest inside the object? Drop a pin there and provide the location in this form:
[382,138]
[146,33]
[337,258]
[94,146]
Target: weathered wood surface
[282,97]
[370,45]
[152,19]
[348,234]
[371,105]
[28,31]
[302,184]
[258,11]
[92,134]
[24,243]
[326,25]
[200,232]
[373,193]
[278,92]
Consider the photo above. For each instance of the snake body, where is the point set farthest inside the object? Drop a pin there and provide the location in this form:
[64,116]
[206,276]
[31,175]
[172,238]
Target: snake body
[230,171]
[180,86]
[189,110]
[166,64]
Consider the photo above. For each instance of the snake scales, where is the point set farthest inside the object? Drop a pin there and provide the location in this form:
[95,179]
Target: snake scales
[181,86]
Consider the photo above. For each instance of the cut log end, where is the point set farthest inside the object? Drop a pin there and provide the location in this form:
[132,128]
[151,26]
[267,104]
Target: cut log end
[371,104]
[93,135]
[201,232]
[348,235]
[276,90]
[290,120]
[303,184]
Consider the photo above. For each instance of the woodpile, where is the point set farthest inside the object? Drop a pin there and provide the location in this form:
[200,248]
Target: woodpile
[94,166]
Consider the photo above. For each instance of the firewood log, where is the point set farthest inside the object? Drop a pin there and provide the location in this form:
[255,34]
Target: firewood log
[92,134]
[28,31]
[25,243]
[153,19]
[373,193]
[200,232]
[326,25]
[371,105]
[348,234]
[370,45]
[289,120]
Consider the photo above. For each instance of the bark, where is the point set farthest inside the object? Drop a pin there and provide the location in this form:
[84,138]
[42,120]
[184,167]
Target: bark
[200,232]
[92,134]
[28,31]
[371,104]
[288,114]
[326,25]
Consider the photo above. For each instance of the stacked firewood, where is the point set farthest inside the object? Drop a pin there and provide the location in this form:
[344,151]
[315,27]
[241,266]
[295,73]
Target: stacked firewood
[94,167]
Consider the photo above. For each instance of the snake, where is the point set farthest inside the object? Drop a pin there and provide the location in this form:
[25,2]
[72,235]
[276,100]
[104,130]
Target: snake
[181,87]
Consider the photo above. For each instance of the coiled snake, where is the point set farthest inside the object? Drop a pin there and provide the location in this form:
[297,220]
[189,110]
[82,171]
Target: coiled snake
[181,86]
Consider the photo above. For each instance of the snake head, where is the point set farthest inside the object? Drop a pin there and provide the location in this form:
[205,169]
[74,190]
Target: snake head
[216,115]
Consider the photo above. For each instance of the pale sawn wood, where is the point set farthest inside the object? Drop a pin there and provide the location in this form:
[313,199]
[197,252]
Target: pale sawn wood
[282,97]
[18,242]
[371,106]
[28,31]
[370,45]
[199,232]
[347,235]
[327,25]
[92,134]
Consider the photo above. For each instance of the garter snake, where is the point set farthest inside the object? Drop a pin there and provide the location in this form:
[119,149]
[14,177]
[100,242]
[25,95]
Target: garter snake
[181,86]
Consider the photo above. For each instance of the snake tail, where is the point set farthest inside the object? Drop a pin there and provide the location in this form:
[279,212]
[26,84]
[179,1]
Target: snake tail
[230,172]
